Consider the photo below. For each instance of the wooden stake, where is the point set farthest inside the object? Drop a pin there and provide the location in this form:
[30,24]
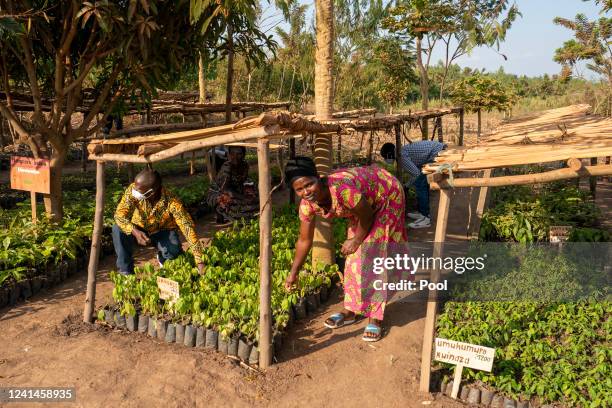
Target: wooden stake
[482,202]
[432,304]
[192,163]
[291,156]
[265,254]
[33,200]
[457,381]
[96,240]
[593,180]
[339,152]
[440,136]
[461,126]
[398,150]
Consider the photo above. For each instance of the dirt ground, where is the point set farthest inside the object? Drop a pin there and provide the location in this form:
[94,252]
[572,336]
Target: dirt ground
[44,344]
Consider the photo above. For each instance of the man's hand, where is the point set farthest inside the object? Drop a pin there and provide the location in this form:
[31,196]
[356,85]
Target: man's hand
[201,269]
[141,237]
[350,246]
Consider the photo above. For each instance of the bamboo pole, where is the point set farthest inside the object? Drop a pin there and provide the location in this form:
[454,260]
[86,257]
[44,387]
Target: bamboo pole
[96,240]
[265,254]
[553,175]
[432,304]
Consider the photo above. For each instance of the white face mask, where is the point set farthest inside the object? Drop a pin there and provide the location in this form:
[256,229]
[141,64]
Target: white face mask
[141,196]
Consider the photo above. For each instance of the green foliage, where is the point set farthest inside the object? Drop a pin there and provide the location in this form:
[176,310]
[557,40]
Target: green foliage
[525,217]
[557,352]
[482,92]
[227,296]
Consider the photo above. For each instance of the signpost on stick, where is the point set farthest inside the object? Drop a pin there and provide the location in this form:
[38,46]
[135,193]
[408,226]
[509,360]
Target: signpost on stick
[463,355]
[33,175]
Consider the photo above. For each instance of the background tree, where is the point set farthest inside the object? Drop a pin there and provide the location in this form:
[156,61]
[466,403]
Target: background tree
[118,49]
[592,44]
[480,92]
[459,25]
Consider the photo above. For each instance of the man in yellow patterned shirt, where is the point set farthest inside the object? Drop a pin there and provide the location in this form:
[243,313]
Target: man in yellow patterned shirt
[150,214]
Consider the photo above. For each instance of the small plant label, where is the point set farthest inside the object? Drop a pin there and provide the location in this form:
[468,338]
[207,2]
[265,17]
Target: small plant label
[463,355]
[168,289]
[31,174]
[559,233]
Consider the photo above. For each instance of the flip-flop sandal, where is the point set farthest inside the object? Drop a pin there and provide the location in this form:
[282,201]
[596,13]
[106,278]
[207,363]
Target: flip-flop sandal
[373,329]
[339,321]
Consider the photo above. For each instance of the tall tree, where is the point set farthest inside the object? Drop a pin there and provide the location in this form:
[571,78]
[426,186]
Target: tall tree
[460,25]
[324,98]
[118,49]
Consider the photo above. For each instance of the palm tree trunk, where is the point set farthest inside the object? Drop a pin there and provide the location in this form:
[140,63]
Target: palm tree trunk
[322,251]
[201,79]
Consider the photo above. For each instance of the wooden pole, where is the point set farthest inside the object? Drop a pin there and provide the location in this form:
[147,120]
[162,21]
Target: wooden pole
[291,156]
[553,175]
[457,381]
[440,136]
[482,202]
[461,126]
[398,150]
[84,157]
[339,152]
[33,200]
[192,164]
[479,126]
[265,254]
[96,240]
[432,304]
[593,180]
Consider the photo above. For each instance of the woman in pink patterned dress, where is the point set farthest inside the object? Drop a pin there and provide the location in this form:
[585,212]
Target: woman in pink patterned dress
[373,201]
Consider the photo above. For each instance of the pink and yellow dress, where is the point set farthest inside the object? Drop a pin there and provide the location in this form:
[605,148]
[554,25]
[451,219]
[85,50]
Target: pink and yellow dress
[385,195]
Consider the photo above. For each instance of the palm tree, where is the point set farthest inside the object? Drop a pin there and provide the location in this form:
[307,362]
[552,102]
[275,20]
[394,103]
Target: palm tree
[324,9]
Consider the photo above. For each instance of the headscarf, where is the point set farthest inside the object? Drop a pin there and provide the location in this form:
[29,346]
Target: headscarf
[301,166]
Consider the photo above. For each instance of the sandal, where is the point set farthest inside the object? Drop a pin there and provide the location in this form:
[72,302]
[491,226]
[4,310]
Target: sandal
[339,320]
[372,329]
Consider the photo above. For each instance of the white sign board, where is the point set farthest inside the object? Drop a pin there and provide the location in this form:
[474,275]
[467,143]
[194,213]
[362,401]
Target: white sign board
[464,354]
[168,289]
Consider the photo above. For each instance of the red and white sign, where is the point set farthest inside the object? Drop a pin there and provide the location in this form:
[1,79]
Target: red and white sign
[31,174]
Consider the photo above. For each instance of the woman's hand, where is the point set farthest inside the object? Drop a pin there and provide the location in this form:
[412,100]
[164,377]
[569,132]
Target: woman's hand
[290,281]
[350,246]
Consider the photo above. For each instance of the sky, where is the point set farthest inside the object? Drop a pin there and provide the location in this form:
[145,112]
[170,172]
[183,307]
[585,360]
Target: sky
[530,44]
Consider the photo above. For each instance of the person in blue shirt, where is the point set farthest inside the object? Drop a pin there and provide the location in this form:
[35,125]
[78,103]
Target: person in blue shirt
[412,158]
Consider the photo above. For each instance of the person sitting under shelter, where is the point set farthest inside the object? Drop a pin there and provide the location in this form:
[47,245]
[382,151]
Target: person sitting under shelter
[232,194]
[150,215]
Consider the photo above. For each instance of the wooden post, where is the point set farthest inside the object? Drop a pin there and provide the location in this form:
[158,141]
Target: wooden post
[33,200]
[339,152]
[209,166]
[265,254]
[461,126]
[130,171]
[482,202]
[479,126]
[192,164]
[457,381]
[432,304]
[96,240]
[291,156]
[398,150]
[593,180]
[84,157]
[370,147]
[440,136]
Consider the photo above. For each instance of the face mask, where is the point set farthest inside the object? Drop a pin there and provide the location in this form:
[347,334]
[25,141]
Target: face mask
[389,161]
[141,196]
